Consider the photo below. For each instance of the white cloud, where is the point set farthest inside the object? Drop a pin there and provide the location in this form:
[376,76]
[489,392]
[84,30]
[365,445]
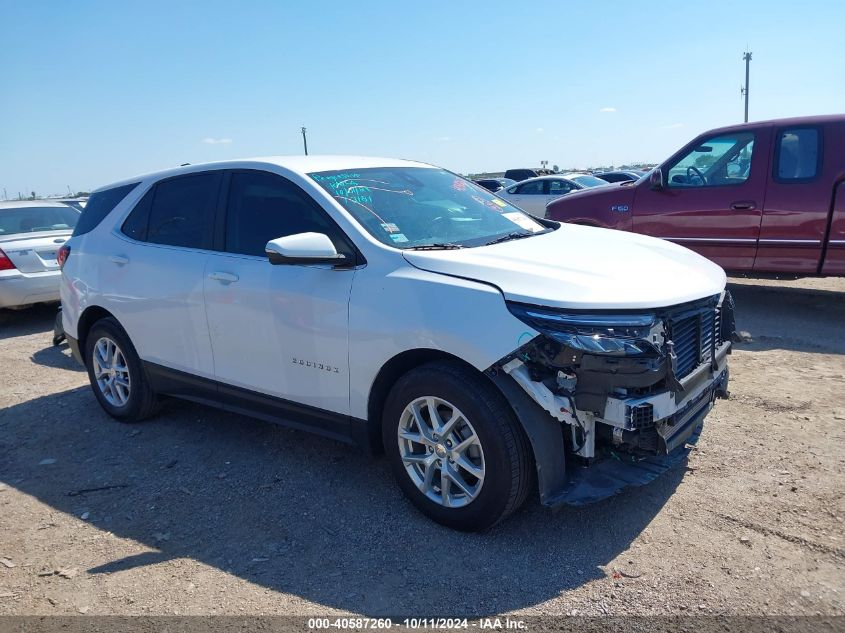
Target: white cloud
[443,139]
[210,140]
[539,130]
[673,126]
[607,109]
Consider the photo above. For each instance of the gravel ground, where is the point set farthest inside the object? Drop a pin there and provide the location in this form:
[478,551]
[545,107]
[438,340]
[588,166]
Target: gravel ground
[201,512]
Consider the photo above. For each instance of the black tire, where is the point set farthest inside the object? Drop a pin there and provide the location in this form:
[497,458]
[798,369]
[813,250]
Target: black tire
[142,401]
[508,460]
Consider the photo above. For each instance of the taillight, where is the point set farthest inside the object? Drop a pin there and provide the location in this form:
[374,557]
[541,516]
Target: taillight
[5,262]
[62,255]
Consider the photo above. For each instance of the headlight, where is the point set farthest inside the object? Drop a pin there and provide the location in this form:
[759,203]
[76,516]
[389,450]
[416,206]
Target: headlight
[611,334]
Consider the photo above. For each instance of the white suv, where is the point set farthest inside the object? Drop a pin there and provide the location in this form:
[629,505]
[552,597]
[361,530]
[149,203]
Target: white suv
[400,307]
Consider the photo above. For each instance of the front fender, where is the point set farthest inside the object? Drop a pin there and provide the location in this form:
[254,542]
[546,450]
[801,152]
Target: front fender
[412,309]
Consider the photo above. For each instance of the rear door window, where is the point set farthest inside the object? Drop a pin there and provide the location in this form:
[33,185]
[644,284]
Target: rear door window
[534,188]
[182,211]
[798,155]
[559,187]
[99,206]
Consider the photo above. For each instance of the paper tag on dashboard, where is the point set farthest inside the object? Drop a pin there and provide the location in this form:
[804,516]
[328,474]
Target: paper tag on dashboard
[523,221]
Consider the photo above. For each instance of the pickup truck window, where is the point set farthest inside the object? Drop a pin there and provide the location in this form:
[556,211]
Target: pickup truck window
[798,154]
[717,161]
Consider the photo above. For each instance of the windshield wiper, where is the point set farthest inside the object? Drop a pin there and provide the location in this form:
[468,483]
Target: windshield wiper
[437,246]
[508,238]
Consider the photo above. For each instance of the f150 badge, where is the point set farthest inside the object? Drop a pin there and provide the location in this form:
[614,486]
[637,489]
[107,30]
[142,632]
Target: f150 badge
[315,365]
[620,208]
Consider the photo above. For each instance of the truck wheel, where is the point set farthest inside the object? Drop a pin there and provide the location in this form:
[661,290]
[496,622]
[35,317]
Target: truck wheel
[116,374]
[455,447]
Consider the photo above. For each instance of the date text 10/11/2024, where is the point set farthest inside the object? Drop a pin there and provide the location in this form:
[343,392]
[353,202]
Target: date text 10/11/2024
[489,624]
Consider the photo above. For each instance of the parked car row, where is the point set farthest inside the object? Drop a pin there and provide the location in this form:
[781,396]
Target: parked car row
[494,184]
[621,176]
[534,194]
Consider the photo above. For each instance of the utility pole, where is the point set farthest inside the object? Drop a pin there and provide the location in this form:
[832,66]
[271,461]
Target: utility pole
[746,56]
[304,140]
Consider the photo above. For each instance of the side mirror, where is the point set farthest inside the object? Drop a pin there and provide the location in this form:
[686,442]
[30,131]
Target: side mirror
[655,179]
[303,248]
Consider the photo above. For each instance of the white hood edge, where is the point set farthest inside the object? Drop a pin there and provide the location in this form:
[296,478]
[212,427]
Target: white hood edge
[584,268]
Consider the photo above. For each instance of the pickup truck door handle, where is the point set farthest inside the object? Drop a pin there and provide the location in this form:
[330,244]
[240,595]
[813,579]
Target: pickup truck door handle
[120,260]
[743,205]
[227,278]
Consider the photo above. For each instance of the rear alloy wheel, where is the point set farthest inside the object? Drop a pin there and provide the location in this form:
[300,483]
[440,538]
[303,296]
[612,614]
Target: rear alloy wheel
[116,374]
[111,372]
[456,449]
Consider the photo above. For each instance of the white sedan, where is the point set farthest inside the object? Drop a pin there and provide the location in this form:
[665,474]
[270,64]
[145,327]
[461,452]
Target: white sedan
[31,234]
[534,194]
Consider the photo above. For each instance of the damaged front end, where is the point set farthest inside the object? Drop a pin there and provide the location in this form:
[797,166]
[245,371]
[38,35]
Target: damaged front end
[622,394]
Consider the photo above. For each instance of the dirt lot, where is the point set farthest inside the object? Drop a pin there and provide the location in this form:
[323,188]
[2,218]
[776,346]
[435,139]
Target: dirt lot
[198,511]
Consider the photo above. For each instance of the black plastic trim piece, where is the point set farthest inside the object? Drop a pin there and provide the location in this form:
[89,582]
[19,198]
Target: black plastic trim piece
[73,344]
[179,384]
[599,376]
[543,431]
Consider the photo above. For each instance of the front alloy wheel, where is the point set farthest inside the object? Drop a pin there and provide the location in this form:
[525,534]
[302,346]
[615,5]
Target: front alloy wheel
[455,446]
[441,452]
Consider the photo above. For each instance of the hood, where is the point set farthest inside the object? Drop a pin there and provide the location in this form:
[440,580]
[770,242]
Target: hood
[582,267]
[591,202]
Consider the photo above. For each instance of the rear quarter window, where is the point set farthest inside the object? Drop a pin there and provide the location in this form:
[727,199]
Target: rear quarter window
[99,206]
[798,154]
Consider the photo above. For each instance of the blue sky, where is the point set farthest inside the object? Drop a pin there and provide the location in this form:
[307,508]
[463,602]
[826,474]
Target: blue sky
[93,92]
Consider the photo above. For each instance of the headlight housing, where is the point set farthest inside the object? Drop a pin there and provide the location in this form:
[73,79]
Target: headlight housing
[607,334]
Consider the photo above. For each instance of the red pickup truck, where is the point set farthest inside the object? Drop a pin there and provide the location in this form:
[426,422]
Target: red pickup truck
[765,197]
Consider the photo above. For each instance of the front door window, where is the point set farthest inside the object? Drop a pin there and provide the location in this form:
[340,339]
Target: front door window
[717,161]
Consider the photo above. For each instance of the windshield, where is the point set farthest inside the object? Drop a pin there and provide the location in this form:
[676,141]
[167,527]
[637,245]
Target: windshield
[414,207]
[589,181]
[34,219]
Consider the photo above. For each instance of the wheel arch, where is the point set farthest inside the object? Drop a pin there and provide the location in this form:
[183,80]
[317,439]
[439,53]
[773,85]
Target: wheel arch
[87,319]
[387,376]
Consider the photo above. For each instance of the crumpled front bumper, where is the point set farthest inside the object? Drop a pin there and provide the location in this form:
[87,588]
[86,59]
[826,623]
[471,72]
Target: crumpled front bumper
[674,414]
[568,481]
[602,424]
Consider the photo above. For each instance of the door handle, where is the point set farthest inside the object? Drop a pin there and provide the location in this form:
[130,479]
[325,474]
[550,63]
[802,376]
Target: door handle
[120,260]
[226,278]
[743,205]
